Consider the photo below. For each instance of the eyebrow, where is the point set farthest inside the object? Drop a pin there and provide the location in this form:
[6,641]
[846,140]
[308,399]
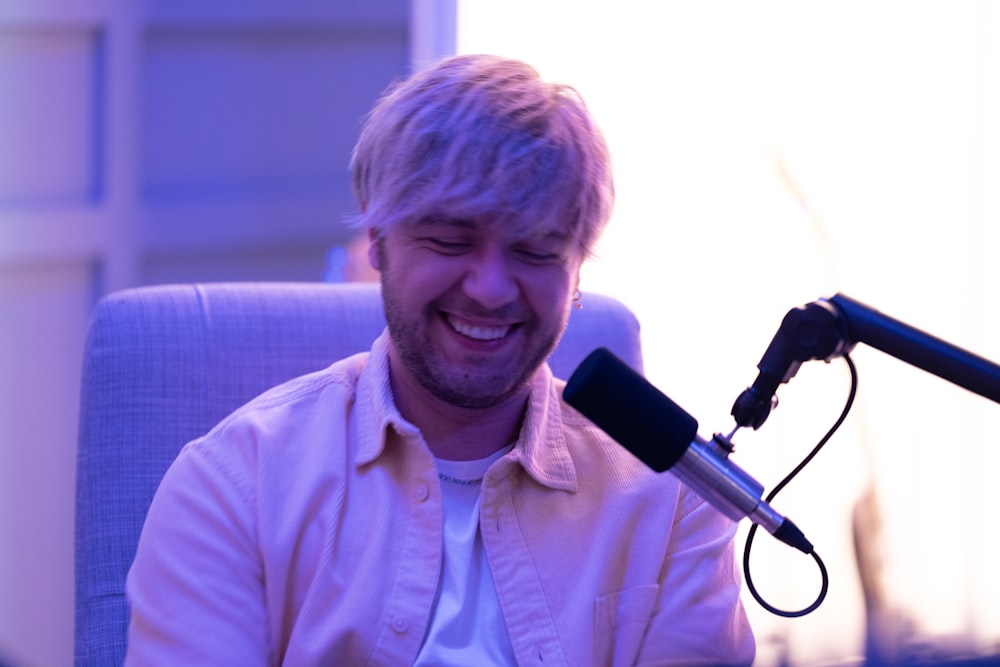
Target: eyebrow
[446,221]
[552,233]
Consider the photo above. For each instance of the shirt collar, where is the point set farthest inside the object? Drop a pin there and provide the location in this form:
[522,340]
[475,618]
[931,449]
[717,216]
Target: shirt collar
[540,448]
[376,406]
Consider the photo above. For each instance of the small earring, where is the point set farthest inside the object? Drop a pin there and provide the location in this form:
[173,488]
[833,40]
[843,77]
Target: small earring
[577,300]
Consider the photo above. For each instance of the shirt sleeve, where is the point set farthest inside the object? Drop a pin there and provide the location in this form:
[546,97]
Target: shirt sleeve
[196,585]
[700,615]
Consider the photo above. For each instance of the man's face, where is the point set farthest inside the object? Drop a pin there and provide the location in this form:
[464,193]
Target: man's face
[472,312]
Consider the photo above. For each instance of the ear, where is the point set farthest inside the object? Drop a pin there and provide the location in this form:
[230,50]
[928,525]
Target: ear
[373,253]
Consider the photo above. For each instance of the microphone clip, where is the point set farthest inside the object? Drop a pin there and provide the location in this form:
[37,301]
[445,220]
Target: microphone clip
[814,331]
[829,328]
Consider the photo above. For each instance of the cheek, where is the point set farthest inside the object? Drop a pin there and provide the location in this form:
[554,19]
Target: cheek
[551,292]
[418,279]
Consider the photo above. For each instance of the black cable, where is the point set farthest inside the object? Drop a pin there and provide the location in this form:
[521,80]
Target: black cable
[824,586]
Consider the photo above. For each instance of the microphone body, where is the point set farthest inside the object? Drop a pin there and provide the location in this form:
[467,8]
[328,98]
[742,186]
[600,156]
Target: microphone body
[665,437]
[706,468]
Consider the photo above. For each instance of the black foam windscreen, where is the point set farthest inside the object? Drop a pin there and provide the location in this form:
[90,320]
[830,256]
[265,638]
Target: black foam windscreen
[627,407]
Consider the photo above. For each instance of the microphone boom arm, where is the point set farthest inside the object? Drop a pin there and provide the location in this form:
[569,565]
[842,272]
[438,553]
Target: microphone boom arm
[830,328]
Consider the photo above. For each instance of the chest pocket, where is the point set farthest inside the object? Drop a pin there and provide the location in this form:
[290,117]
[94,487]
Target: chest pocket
[620,622]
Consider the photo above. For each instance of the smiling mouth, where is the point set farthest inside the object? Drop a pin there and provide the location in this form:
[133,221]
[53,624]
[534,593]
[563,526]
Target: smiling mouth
[479,332]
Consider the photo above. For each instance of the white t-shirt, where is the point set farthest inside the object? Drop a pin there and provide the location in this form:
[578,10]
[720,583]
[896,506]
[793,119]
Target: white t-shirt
[467,626]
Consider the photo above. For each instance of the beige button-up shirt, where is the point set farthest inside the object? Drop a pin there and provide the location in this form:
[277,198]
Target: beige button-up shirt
[306,529]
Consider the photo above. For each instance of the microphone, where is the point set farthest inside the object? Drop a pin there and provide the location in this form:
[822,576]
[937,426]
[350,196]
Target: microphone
[663,436]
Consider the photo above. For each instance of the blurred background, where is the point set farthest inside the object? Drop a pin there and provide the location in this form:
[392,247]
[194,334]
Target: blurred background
[767,154]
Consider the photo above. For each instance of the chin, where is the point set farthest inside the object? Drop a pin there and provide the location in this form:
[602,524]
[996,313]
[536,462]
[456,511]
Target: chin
[478,395]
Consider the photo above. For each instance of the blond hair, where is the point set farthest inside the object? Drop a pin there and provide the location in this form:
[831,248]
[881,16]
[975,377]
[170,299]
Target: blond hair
[484,135]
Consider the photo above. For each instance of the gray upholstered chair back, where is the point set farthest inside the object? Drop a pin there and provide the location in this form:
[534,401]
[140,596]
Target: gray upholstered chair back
[163,364]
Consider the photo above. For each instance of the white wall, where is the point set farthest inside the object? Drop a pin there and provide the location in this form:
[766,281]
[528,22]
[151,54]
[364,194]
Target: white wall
[771,153]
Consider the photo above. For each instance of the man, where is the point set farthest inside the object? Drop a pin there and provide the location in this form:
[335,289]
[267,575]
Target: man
[434,501]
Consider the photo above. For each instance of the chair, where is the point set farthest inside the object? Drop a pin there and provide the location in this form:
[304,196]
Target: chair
[163,364]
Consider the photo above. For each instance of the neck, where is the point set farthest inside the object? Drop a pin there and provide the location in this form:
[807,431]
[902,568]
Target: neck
[466,435]
[457,433]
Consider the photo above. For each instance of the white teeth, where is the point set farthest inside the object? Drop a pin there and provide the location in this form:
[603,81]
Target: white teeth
[480,333]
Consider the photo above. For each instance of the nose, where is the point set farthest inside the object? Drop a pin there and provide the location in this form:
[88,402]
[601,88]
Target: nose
[490,280]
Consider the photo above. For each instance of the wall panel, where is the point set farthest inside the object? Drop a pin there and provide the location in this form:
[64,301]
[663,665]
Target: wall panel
[261,113]
[247,127]
[46,153]
[43,315]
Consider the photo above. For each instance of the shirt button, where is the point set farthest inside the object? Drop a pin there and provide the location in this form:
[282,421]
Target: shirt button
[400,625]
[422,492]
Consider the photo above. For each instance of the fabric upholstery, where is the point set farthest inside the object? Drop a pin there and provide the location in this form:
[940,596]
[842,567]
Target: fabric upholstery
[163,364]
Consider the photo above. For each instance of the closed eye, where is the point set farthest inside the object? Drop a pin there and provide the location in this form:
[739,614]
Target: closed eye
[447,246]
[534,255]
